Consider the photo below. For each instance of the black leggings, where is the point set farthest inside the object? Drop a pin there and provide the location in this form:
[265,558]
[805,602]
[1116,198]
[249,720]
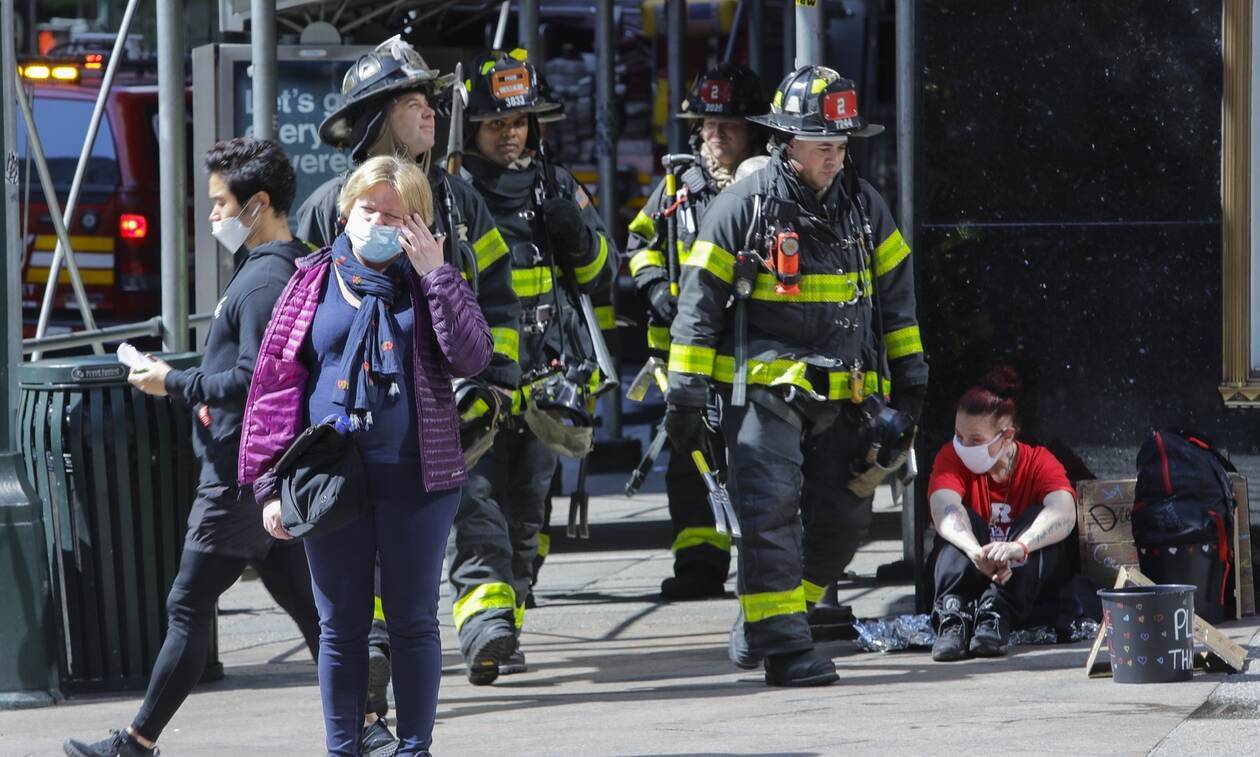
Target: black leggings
[202,578]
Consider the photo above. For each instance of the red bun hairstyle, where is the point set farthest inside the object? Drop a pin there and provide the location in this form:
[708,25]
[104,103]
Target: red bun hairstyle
[996,394]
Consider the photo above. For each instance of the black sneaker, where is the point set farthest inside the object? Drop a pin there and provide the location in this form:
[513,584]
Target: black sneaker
[690,586]
[494,644]
[119,744]
[377,740]
[950,618]
[805,668]
[737,647]
[515,663]
[992,636]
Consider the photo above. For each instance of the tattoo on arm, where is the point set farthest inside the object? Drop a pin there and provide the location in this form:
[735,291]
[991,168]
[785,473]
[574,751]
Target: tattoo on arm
[960,519]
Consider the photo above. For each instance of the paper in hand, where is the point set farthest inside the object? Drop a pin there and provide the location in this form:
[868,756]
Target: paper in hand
[132,357]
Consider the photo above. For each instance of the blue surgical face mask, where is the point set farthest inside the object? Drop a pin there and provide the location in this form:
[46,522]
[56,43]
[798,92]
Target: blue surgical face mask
[374,243]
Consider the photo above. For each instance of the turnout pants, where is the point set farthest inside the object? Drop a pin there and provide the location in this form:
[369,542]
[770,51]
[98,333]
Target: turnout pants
[494,541]
[784,468]
[699,550]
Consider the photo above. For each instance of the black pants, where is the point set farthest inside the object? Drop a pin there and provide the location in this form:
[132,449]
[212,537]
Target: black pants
[698,548]
[956,575]
[202,579]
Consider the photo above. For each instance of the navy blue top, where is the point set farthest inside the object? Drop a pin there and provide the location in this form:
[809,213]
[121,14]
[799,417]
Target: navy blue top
[394,436]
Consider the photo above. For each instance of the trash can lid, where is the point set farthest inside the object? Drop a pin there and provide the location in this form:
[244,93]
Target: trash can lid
[90,370]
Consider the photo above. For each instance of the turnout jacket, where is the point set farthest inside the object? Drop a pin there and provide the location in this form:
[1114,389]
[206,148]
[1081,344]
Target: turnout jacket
[645,242]
[509,193]
[319,224]
[815,340]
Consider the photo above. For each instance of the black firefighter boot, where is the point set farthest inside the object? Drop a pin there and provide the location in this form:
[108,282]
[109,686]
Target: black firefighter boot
[804,668]
[828,619]
[951,619]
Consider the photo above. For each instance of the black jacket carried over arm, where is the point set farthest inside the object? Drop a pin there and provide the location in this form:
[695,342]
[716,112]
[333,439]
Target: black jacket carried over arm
[216,390]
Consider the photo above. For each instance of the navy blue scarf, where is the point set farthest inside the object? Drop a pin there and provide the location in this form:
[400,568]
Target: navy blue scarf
[370,360]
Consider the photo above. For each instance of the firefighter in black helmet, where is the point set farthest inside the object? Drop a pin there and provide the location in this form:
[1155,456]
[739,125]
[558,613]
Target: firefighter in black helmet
[559,249]
[387,109]
[718,105]
[797,305]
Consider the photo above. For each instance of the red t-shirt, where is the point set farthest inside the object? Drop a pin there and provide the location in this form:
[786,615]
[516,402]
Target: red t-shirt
[1037,473]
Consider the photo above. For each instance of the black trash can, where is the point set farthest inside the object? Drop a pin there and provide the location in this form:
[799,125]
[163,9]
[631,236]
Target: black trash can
[1150,632]
[115,471]
[1199,564]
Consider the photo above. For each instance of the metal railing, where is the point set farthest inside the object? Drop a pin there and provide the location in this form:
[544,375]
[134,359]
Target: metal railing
[98,336]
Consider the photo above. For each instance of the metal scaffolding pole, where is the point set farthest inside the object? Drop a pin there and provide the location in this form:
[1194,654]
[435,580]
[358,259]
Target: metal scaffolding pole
[810,26]
[606,150]
[528,35]
[756,23]
[10,271]
[172,182]
[262,56]
[80,170]
[676,70]
[789,37]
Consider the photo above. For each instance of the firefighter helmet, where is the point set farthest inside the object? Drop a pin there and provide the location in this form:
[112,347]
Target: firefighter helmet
[546,94]
[728,90]
[505,83]
[392,68]
[816,103]
[479,406]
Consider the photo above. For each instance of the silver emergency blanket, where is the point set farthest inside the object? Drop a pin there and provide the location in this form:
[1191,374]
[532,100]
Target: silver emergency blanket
[915,632]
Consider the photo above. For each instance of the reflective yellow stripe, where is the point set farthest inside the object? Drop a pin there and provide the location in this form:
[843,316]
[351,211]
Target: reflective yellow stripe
[890,253]
[812,591]
[378,612]
[478,409]
[531,282]
[819,84]
[483,597]
[644,258]
[658,337]
[78,243]
[489,248]
[643,225]
[697,537]
[713,259]
[903,342]
[758,607]
[605,317]
[507,342]
[791,372]
[690,358]
[90,276]
[815,287]
[588,272]
[544,545]
[518,616]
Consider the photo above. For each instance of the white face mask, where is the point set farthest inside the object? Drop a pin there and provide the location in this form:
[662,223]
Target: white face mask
[977,458]
[232,232]
[374,243]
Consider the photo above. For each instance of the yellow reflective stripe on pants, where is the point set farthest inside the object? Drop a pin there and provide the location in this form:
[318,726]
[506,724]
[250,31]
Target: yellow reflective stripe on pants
[890,253]
[815,287]
[489,248]
[643,225]
[605,317]
[587,273]
[771,604]
[812,592]
[531,282]
[495,596]
[544,545]
[645,259]
[690,358]
[378,611]
[658,338]
[518,616]
[696,537]
[794,373]
[507,342]
[903,342]
[713,259]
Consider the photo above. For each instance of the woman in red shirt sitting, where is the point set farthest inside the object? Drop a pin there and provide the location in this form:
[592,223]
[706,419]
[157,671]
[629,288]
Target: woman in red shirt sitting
[1004,510]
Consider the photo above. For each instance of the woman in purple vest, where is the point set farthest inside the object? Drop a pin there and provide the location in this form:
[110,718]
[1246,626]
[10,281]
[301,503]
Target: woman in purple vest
[374,328]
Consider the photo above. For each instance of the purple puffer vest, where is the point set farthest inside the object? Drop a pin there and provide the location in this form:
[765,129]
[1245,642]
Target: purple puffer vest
[451,339]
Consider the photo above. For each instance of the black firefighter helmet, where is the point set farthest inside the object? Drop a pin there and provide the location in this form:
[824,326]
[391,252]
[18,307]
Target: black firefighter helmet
[505,83]
[816,103]
[393,68]
[728,90]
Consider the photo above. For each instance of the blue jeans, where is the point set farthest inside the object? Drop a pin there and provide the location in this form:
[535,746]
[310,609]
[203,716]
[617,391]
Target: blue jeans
[408,528]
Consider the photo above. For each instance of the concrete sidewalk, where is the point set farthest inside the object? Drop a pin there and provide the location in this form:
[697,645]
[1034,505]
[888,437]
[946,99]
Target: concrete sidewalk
[615,672]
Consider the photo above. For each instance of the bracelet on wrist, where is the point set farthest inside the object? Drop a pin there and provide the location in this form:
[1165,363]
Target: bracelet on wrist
[1025,546]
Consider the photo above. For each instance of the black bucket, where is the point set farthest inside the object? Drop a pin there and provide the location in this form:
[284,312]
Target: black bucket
[1150,632]
[1199,564]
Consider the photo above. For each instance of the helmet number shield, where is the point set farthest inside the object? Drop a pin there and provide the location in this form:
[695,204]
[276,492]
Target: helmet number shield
[840,106]
[511,86]
[716,92]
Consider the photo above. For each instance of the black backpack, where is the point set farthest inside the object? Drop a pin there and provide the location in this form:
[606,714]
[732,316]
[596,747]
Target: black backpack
[1183,493]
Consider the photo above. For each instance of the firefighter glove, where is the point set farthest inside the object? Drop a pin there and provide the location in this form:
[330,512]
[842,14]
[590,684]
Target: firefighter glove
[909,401]
[687,428]
[663,302]
[568,230]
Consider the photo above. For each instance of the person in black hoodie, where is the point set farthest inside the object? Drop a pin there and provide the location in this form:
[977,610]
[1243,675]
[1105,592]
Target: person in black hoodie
[251,185]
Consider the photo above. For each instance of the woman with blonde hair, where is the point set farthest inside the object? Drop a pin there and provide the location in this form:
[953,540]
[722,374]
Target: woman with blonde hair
[374,328]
